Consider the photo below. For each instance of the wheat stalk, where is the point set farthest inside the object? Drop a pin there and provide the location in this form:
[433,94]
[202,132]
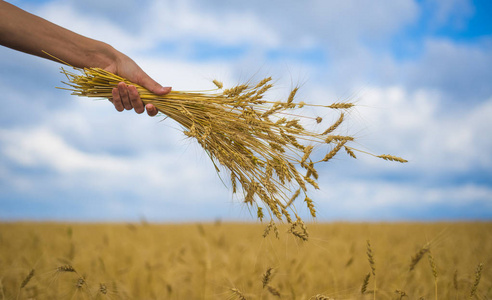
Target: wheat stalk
[435,274]
[267,277]
[392,158]
[103,289]
[270,226]
[299,229]
[372,264]
[418,256]
[238,294]
[66,268]
[320,297]
[273,291]
[27,279]
[370,258]
[401,294]
[260,143]
[476,282]
[365,282]
[80,283]
[335,125]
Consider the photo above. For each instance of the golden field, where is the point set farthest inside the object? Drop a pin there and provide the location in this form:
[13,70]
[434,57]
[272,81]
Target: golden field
[234,261]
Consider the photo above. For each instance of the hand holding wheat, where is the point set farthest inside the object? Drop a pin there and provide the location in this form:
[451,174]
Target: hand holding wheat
[29,33]
[125,96]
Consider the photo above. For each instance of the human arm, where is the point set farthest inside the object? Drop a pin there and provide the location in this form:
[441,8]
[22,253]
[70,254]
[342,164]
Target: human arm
[31,34]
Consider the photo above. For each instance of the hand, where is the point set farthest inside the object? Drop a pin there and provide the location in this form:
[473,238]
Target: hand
[126,96]
[25,32]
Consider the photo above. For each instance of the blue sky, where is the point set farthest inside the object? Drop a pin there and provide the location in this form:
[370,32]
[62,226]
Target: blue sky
[419,71]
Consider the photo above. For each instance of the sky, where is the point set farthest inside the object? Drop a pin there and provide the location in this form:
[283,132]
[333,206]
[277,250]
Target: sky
[420,73]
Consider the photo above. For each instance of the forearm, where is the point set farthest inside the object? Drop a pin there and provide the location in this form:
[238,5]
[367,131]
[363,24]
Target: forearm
[28,33]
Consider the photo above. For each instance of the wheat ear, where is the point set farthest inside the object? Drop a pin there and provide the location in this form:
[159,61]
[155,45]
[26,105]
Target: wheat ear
[418,256]
[476,282]
[372,264]
[435,274]
[238,294]
[27,279]
[365,282]
[267,277]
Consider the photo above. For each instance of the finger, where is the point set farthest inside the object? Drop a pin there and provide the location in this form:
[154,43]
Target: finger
[125,99]
[151,110]
[154,87]
[117,100]
[135,99]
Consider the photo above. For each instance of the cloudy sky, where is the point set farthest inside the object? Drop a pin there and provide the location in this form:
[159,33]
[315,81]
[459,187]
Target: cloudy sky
[419,71]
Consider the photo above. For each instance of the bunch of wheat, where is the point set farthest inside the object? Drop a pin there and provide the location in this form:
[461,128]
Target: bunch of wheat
[262,144]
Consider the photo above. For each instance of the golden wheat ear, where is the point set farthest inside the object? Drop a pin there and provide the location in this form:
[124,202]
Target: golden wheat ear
[476,282]
[27,279]
[372,264]
[238,294]
[392,158]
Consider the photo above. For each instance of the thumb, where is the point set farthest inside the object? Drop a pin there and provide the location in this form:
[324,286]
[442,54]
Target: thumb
[155,87]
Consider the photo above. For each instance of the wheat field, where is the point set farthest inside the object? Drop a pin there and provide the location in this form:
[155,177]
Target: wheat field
[234,261]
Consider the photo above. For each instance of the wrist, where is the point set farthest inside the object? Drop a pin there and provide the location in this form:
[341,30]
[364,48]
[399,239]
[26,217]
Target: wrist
[103,56]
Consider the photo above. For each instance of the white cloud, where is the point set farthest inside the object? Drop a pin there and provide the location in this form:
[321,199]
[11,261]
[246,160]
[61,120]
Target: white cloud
[143,174]
[353,199]
[459,69]
[404,110]
[451,12]
[421,126]
[93,26]
[183,20]
[178,23]
[335,24]
[186,75]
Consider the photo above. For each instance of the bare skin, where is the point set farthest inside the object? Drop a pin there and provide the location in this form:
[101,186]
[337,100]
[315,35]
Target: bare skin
[31,34]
